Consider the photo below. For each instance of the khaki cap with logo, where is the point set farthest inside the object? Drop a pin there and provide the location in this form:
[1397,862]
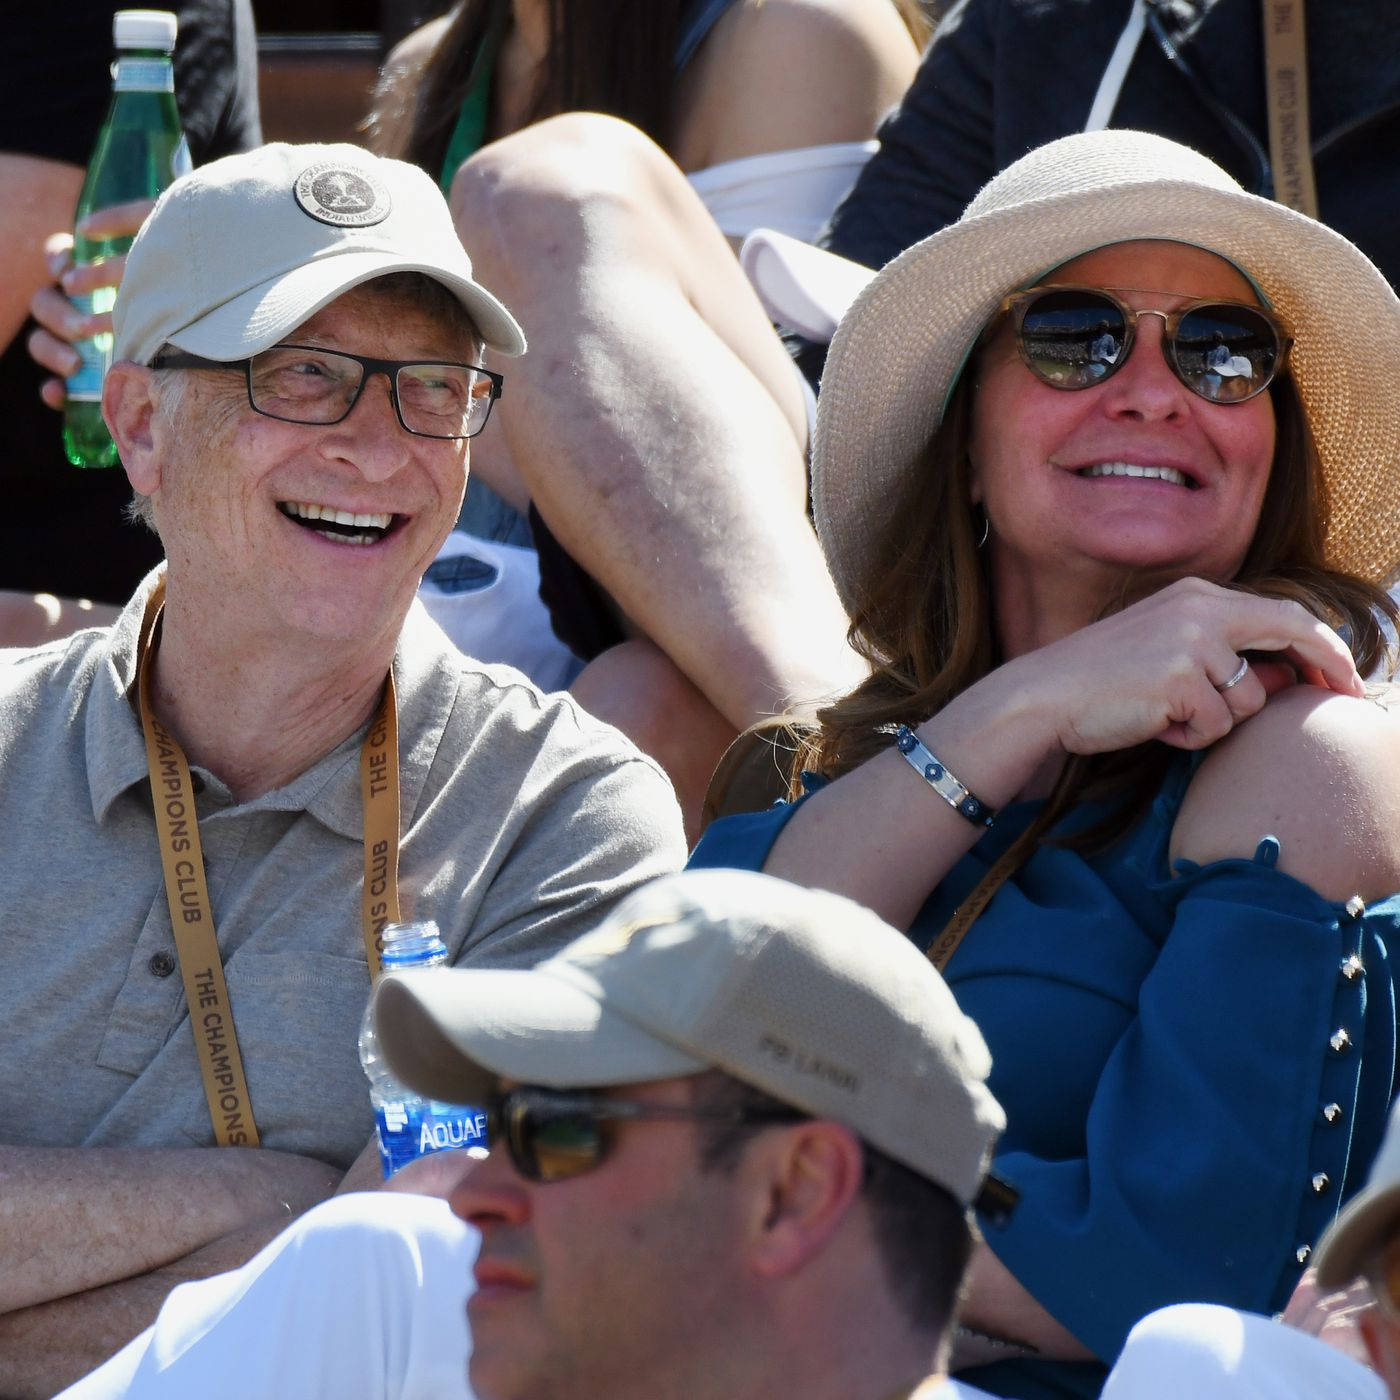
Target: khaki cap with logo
[800,993]
[241,251]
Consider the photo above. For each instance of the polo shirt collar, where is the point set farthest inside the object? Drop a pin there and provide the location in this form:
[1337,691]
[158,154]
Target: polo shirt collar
[426,678]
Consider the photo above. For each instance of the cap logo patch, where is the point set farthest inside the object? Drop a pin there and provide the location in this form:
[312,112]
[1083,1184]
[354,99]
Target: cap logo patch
[336,194]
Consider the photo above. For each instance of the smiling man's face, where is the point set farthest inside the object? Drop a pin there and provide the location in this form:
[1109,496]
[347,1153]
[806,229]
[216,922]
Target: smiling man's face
[250,508]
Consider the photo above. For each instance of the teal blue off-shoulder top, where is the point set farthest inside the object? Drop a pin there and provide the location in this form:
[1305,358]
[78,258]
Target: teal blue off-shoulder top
[1196,1066]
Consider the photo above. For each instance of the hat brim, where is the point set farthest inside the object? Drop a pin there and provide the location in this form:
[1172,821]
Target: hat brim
[1366,1221]
[263,315]
[453,1034]
[900,348]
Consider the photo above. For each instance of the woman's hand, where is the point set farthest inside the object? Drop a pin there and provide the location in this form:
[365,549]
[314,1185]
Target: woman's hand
[61,323]
[1152,671]
[1165,667]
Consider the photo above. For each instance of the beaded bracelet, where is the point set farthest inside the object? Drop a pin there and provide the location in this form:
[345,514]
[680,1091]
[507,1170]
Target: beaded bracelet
[921,759]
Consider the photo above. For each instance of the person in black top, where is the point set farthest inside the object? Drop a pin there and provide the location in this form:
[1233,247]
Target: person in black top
[64,530]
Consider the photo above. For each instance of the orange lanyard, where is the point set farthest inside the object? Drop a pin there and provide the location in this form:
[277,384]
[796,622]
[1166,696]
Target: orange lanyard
[1290,138]
[187,891]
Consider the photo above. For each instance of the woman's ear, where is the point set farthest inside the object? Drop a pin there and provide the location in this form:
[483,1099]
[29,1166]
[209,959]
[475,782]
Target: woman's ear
[129,397]
[804,1180]
[974,481]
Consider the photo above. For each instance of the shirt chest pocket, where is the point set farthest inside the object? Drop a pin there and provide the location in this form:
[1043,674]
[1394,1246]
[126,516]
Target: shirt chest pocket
[298,1018]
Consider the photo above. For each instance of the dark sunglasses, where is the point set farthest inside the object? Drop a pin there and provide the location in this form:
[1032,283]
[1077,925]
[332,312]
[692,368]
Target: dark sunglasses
[1076,337]
[553,1134]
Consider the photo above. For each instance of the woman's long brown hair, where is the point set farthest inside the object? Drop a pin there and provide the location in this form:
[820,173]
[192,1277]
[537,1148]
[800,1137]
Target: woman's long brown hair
[613,56]
[926,622]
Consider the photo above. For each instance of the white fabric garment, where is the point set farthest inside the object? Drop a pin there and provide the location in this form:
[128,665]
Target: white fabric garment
[362,1298]
[1206,1351]
[486,597]
[802,288]
[791,191]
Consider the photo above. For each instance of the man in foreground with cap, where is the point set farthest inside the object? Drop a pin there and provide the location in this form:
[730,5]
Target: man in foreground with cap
[737,1131]
[270,754]
[736,1134]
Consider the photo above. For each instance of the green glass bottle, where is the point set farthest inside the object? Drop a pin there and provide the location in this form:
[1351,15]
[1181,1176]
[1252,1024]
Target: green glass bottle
[139,151]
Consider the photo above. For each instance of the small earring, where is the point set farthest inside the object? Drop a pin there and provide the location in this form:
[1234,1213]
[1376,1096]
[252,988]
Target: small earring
[986,529]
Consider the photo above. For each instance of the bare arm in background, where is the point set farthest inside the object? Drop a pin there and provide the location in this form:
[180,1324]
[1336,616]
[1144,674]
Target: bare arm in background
[39,198]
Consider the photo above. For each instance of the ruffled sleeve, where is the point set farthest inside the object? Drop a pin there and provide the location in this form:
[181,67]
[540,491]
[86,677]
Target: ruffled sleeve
[1245,1096]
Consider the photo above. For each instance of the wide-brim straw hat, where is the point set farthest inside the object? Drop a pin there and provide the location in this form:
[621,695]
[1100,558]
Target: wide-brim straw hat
[900,347]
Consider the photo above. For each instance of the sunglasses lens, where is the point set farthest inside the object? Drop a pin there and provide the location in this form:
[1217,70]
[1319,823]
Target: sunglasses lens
[1225,353]
[549,1142]
[1072,338]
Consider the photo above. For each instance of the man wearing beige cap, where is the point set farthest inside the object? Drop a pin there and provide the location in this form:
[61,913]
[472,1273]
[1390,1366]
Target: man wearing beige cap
[736,1134]
[270,754]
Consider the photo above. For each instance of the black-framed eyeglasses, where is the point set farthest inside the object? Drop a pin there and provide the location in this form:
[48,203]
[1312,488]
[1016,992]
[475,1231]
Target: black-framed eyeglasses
[310,384]
[553,1134]
[1076,337]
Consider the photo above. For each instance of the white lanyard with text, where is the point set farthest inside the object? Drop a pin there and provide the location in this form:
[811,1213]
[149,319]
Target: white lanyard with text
[187,891]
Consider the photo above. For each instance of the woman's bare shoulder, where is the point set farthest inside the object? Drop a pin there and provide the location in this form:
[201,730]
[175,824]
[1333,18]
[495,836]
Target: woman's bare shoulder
[1319,771]
[781,74]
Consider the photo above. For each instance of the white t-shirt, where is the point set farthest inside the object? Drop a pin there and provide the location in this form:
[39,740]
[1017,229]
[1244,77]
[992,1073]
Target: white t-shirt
[362,1298]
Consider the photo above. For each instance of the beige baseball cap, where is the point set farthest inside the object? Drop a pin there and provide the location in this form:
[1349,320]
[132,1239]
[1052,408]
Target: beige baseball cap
[1369,1220]
[241,251]
[800,993]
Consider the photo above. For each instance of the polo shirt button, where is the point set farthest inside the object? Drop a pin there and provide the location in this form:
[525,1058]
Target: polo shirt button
[161,964]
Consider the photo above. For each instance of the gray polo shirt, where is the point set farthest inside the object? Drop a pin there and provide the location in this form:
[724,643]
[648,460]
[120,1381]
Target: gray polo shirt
[524,822]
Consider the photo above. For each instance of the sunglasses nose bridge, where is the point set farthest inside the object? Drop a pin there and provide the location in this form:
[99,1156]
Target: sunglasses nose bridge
[1148,363]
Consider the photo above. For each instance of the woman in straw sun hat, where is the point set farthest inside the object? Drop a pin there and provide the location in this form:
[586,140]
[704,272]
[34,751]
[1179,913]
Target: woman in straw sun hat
[1106,473]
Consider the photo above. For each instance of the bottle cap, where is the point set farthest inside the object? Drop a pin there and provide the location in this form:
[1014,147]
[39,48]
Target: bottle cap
[408,944]
[144,29]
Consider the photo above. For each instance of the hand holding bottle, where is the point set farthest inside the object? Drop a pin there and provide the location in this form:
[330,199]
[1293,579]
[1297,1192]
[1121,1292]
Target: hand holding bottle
[139,151]
[61,321]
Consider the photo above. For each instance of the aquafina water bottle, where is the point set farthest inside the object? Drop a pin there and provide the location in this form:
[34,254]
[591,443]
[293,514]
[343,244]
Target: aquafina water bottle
[408,1125]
